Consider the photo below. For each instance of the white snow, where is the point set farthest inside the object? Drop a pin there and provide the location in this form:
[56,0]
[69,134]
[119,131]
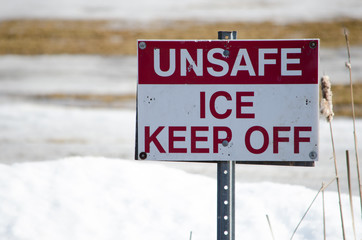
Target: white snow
[143,11]
[332,63]
[41,131]
[101,74]
[46,194]
[44,74]
[113,198]
[38,130]
[98,198]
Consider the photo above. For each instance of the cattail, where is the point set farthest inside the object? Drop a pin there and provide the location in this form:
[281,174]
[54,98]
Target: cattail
[326,103]
[327,111]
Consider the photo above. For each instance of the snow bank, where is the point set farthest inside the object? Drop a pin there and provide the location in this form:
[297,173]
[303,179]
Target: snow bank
[205,10]
[97,198]
[44,74]
[31,132]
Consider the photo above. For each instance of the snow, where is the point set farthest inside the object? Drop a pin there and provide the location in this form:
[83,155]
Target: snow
[143,11]
[101,74]
[41,132]
[72,73]
[66,171]
[99,198]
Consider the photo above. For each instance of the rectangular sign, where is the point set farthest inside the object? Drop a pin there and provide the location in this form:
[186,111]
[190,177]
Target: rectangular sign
[221,100]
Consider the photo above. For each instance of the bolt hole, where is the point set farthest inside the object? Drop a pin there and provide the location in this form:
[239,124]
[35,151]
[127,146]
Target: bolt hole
[226,53]
[226,233]
[226,187]
[225,143]
[312,44]
[226,202]
[142,45]
[313,155]
[143,155]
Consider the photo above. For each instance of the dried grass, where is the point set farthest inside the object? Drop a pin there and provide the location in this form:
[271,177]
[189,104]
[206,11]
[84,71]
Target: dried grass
[116,37]
[103,37]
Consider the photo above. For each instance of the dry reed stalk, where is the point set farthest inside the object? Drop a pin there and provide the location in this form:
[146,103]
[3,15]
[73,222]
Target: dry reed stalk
[270,227]
[324,213]
[350,193]
[349,66]
[305,214]
[327,111]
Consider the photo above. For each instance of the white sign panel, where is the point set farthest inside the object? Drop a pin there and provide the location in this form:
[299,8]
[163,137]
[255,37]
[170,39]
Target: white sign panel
[228,100]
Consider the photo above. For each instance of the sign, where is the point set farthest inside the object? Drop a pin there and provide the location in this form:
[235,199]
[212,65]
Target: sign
[221,100]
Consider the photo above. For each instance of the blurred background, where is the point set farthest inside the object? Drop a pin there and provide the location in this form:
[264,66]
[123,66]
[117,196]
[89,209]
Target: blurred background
[68,79]
[68,71]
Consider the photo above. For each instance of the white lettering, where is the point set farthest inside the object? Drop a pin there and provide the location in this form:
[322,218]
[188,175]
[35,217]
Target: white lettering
[185,56]
[156,63]
[285,61]
[247,67]
[220,67]
[219,62]
[263,61]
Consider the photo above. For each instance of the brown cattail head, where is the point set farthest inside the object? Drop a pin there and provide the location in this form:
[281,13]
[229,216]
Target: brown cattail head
[326,103]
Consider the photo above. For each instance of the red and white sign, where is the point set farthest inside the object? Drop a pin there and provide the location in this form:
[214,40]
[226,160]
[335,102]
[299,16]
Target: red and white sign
[242,100]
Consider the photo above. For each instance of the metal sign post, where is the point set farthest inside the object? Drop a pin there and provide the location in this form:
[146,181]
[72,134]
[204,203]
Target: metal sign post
[226,185]
[226,200]
[228,101]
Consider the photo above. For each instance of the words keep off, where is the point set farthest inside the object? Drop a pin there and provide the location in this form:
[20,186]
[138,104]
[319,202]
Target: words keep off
[191,136]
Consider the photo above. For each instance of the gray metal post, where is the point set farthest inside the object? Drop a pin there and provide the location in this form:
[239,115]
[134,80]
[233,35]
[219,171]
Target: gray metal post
[226,200]
[226,185]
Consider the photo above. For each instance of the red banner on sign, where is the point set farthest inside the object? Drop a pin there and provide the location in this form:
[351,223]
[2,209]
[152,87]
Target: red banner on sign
[228,62]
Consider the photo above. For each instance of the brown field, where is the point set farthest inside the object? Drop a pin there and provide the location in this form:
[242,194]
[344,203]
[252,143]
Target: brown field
[31,37]
[114,37]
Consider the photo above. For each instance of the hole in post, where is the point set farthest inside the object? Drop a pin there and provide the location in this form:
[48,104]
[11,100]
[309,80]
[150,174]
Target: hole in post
[226,187]
[226,233]
[226,202]
[225,171]
[226,217]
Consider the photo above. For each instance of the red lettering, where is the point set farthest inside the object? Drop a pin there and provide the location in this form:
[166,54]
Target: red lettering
[172,139]
[153,138]
[195,139]
[298,139]
[202,105]
[212,105]
[240,103]
[218,140]
[277,139]
[248,143]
